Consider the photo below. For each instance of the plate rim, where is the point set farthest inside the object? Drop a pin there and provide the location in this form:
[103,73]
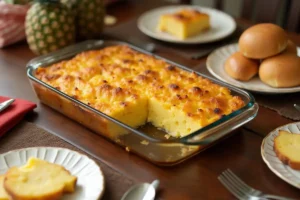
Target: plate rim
[234,45]
[101,193]
[178,41]
[269,164]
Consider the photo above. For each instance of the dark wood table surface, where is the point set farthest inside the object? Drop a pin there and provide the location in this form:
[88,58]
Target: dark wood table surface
[196,178]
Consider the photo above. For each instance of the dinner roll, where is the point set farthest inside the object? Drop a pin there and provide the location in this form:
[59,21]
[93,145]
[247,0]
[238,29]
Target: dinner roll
[262,41]
[241,68]
[291,48]
[282,70]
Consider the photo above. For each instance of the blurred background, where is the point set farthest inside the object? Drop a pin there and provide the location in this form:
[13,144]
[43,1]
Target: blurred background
[282,12]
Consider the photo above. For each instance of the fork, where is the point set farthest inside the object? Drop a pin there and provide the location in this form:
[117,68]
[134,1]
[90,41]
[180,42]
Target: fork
[243,191]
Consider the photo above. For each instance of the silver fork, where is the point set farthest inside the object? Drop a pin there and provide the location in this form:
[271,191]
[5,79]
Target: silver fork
[243,191]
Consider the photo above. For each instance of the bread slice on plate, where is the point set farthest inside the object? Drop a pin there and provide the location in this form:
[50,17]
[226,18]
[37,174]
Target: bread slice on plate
[38,180]
[287,148]
[3,193]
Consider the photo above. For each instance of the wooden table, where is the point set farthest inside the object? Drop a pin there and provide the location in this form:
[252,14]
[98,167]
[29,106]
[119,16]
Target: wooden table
[193,179]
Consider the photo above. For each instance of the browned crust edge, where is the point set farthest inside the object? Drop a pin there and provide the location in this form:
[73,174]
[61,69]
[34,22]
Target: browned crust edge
[8,197]
[52,196]
[285,159]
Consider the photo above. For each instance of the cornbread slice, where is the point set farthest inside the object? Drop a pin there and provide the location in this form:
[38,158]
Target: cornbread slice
[287,148]
[136,88]
[184,23]
[3,193]
[38,180]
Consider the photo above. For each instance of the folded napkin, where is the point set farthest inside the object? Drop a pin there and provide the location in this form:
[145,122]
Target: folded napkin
[14,113]
[12,19]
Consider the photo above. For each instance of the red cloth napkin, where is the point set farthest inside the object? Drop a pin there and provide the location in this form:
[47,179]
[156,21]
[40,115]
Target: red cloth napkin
[14,113]
[12,19]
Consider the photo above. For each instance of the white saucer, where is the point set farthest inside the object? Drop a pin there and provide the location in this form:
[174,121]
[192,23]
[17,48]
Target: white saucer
[222,25]
[90,179]
[215,65]
[283,171]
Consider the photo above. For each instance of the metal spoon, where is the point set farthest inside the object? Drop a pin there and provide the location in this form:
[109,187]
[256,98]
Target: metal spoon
[297,107]
[144,191]
[150,47]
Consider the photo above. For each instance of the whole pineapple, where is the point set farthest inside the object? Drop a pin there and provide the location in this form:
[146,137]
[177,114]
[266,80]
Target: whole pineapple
[49,26]
[89,17]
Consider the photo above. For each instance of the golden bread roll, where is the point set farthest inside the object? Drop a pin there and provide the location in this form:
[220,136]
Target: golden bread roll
[287,147]
[241,68]
[262,41]
[282,70]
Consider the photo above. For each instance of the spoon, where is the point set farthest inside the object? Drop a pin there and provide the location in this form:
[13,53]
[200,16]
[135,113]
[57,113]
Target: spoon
[144,191]
[297,107]
[150,47]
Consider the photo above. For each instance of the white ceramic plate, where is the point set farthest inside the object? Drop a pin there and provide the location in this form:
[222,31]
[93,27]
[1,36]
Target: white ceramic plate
[222,25]
[90,180]
[215,65]
[269,156]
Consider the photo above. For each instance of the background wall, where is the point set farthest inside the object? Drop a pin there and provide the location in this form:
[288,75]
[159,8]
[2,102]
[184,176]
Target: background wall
[234,7]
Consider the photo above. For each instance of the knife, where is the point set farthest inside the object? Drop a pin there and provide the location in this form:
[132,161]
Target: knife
[5,104]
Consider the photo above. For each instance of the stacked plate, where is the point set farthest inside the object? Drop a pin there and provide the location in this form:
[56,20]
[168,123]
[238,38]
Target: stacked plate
[215,65]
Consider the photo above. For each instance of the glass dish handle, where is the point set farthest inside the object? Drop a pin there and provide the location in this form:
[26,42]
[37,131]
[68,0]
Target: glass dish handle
[218,132]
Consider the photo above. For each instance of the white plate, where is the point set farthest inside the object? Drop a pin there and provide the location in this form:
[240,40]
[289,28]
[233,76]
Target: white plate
[215,65]
[269,156]
[90,180]
[221,23]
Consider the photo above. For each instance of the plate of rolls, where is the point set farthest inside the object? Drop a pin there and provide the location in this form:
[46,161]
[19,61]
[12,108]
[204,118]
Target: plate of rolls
[264,60]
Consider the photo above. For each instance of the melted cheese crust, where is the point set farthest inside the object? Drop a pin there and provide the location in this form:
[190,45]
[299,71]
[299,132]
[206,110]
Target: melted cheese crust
[136,88]
[188,15]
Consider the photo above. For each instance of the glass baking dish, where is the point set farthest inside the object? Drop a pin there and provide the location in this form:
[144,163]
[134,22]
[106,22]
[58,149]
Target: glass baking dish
[146,141]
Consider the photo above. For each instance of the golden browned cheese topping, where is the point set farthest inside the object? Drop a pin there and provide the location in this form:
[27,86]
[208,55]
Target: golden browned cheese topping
[114,77]
[188,15]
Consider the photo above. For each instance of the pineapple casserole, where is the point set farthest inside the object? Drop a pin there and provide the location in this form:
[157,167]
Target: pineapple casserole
[136,88]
